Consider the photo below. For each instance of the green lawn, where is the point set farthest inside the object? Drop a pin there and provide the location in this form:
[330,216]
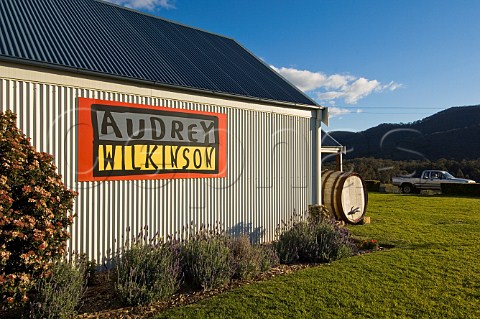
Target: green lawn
[432,272]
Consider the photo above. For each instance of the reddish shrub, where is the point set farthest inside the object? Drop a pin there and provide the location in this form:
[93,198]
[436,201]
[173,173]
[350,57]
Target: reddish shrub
[35,211]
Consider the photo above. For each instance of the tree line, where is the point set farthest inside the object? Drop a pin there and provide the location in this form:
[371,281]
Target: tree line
[384,169]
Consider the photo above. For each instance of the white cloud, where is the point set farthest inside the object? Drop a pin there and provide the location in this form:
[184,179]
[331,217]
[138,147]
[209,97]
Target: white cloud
[357,90]
[307,81]
[145,4]
[337,111]
[329,88]
[392,86]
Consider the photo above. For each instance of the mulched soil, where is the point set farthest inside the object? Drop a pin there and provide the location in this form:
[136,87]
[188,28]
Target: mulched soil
[100,300]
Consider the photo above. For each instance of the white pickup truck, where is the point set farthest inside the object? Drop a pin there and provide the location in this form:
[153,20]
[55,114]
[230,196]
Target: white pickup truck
[429,179]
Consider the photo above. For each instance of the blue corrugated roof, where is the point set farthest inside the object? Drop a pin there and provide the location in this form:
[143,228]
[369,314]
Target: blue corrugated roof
[329,141]
[95,36]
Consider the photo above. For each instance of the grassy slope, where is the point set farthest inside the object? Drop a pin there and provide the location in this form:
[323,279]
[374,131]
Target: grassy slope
[433,271]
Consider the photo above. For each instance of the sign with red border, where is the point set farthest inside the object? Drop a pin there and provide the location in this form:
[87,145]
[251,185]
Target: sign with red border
[125,141]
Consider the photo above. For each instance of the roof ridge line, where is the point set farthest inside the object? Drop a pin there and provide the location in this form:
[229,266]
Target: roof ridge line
[279,75]
[106,2]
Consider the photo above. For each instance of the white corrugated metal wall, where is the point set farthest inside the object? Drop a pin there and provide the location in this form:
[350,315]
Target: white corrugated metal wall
[269,171]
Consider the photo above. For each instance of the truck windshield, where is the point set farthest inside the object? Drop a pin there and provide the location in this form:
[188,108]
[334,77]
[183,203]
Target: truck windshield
[447,175]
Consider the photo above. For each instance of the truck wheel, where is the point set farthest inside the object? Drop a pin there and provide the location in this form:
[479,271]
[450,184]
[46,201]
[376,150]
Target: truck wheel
[407,189]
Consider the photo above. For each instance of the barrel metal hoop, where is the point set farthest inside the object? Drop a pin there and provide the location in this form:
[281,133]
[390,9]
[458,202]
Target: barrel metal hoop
[342,179]
[334,203]
[325,179]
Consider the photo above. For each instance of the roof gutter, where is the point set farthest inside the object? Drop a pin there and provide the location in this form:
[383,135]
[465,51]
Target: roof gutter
[321,116]
[159,84]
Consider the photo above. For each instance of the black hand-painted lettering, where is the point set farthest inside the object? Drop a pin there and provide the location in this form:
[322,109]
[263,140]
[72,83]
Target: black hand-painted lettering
[133,159]
[174,155]
[109,121]
[148,158]
[108,156]
[197,155]
[208,157]
[158,133]
[185,151]
[140,132]
[192,132]
[177,128]
[208,130]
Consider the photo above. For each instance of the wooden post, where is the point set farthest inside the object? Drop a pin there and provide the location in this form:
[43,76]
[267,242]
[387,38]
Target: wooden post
[338,160]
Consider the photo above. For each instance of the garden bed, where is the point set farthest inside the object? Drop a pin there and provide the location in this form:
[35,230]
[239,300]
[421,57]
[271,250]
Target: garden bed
[100,299]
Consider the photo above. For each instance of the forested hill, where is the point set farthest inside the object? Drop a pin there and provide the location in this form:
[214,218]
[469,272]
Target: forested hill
[451,134]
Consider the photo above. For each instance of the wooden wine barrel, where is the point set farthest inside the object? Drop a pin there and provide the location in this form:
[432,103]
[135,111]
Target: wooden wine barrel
[345,195]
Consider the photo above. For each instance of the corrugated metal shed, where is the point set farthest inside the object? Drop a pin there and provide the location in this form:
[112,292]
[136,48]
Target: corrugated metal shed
[99,37]
[269,175]
[272,143]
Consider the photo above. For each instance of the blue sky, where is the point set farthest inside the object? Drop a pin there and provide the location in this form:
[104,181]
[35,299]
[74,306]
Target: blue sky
[370,61]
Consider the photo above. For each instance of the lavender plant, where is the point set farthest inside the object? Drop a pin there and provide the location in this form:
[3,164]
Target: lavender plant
[269,257]
[247,258]
[207,260]
[147,272]
[58,294]
[316,239]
